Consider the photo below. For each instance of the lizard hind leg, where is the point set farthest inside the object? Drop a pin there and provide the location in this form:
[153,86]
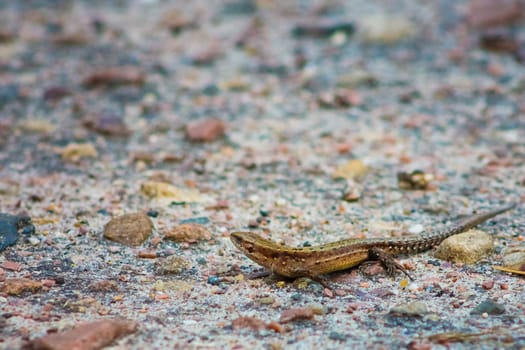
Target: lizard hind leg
[388,262]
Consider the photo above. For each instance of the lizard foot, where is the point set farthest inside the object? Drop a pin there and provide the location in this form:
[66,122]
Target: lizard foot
[388,262]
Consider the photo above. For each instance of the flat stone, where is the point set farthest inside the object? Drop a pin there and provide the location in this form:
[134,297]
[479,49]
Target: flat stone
[468,247]
[416,308]
[130,229]
[490,307]
[85,336]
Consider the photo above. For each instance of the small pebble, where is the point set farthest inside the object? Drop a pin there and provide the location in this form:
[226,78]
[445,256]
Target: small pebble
[336,336]
[487,285]
[172,265]
[152,213]
[214,280]
[201,220]
[130,229]
[416,229]
[207,130]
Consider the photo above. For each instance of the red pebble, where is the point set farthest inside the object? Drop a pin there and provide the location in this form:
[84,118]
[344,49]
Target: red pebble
[488,284]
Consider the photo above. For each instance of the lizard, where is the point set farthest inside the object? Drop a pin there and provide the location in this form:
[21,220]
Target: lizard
[312,262]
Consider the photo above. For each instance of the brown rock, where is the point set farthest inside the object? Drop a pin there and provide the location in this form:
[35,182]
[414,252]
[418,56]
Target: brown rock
[6,36]
[85,336]
[190,233]
[129,229]
[73,38]
[11,265]
[490,13]
[176,21]
[300,313]
[114,76]
[207,55]
[55,93]
[248,322]
[104,286]
[148,254]
[499,41]
[488,285]
[107,124]
[17,286]
[205,130]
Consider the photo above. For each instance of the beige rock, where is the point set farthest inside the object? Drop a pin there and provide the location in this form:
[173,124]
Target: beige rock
[172,265]
[514,258]
[129,229]
[76,151]
[352,169]
[167,192]
[173,286]
[41,126]
[383,29]
[468,247]
[189,233]
[416,308]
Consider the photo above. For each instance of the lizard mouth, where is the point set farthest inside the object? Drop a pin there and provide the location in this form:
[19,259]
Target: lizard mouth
[236,239]
[241,243]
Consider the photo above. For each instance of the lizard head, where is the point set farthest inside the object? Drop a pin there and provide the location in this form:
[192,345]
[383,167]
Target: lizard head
[258,249]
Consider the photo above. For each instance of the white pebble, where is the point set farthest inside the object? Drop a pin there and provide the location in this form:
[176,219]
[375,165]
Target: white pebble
[34,240]
[253,198]
[280,202]
[413,286]
[418,228]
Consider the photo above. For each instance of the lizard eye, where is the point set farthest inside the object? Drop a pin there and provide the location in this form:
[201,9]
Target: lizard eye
[249,248]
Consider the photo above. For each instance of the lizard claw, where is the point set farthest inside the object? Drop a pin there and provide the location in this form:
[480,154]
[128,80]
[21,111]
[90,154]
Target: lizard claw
[389,263]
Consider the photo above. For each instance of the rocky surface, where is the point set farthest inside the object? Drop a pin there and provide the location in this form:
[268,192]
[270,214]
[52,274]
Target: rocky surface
[305,121]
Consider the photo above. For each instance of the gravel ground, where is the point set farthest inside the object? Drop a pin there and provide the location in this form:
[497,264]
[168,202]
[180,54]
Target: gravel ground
[249,109]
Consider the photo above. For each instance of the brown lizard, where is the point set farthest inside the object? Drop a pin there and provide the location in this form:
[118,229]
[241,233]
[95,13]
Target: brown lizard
[315,261]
